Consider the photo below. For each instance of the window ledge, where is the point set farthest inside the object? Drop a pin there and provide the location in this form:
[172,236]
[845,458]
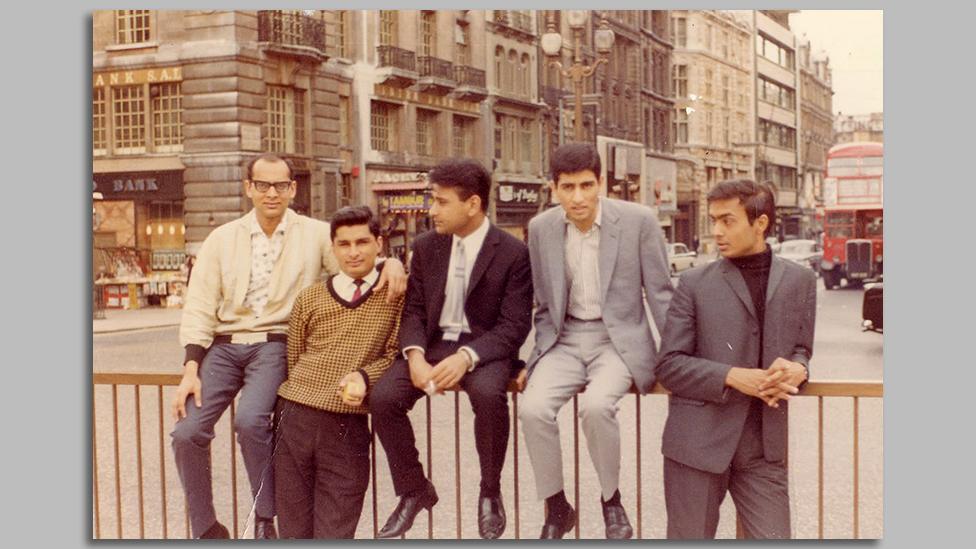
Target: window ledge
[126,47]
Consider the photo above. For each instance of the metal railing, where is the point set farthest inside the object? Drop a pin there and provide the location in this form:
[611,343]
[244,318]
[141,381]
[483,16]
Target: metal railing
[469,76]
[136,491]
[291,29]
[399,58]
[434,67]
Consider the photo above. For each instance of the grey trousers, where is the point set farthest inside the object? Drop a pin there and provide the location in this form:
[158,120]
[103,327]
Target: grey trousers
[759,489]
[255,370]
[583,357]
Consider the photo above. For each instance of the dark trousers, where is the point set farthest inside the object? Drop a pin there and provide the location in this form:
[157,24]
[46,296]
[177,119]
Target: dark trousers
[322,470]
[759,489]
[394,396]
[255,370]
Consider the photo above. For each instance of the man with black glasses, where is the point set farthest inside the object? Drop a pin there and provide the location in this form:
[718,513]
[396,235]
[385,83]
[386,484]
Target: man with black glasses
[234,328]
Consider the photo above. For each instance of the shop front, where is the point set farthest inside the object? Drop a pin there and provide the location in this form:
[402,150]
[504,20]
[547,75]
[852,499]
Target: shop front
[138,243]
[515,204]
[403,203]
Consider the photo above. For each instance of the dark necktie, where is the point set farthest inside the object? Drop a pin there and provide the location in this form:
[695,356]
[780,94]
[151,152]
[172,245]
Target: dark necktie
[358,293]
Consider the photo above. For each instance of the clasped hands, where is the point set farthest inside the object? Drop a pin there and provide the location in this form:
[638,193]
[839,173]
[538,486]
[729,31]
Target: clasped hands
[776,383]
[445,374]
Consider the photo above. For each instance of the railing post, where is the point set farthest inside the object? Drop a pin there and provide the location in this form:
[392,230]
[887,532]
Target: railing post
[95,499]
[162,462]
[820,468]
[372,450]
[430,475]
[637,401]
[118,465]
[576,472]
[457,460]
[857,506]
[233,470]
[515,460]
[142,511]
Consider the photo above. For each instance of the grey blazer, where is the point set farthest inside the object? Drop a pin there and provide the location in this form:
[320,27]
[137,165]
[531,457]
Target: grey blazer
[633,271]
[712,326]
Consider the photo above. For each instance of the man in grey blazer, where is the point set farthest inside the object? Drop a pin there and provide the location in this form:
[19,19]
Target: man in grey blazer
[595,263]
[736,345]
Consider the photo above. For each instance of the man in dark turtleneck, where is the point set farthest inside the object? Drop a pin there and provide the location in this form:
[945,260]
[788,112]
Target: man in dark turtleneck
[736,346]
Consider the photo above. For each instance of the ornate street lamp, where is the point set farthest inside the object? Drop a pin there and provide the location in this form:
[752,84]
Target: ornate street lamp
[552,43]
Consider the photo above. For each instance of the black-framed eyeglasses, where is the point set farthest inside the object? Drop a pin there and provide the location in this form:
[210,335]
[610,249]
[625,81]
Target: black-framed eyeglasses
[263,186]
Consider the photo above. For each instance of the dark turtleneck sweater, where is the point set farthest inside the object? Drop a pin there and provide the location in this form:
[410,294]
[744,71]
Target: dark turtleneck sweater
[755,271]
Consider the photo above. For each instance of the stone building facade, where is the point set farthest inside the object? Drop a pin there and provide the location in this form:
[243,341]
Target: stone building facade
[183,100]
[714,111]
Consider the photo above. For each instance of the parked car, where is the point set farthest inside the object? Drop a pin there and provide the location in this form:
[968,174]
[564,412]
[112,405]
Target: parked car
[872,307]
[805,252]
[680,258]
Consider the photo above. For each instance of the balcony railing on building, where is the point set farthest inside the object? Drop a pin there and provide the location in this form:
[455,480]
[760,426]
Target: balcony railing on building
[514,23]
[471,83]
[436,76]
[398,66]
[292,33]
[136,492]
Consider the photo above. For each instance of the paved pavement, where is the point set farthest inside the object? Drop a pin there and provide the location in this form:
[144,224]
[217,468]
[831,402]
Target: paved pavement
[123,320]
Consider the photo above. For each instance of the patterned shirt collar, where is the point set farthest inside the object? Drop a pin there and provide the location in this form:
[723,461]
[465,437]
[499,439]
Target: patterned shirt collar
[280,229]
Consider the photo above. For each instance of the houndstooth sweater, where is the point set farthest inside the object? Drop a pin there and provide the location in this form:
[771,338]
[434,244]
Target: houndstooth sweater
[329,337]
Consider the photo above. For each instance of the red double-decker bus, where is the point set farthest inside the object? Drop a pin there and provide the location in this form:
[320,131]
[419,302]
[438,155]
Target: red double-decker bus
[853,214]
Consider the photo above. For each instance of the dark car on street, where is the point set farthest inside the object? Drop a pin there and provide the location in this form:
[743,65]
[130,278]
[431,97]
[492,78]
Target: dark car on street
[872,307]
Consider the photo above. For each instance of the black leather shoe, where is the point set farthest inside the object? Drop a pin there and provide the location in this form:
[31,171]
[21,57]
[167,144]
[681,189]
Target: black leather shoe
[406,511]
[264,529]
[217,531]
[556,530]
[491,517]
[618,527]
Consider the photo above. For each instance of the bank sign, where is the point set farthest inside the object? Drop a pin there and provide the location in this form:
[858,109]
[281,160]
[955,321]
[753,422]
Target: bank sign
[140,186]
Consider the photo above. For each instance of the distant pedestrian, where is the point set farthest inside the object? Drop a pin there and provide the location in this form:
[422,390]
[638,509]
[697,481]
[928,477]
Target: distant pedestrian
[235,319]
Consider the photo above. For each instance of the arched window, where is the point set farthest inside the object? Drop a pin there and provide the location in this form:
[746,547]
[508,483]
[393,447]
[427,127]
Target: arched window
[526,76]
[512,68]
[499,67]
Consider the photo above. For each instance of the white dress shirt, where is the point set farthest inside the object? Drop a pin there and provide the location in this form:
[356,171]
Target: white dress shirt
[472,247]
[583,268]
[265,251]
[345,285]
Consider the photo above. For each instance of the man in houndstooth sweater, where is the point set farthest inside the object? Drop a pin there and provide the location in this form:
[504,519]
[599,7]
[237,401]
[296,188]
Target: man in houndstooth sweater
[341,338]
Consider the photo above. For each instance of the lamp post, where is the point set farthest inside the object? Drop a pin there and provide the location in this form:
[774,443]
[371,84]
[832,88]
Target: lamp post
[552,43]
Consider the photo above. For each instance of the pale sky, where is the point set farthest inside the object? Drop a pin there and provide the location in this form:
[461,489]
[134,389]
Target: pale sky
[854,42]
